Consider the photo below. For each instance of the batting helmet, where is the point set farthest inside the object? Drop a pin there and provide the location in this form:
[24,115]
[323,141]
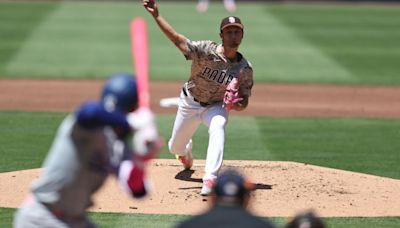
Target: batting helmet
[120,92]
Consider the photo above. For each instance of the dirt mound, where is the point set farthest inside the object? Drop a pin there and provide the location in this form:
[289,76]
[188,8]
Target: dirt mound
[283,189]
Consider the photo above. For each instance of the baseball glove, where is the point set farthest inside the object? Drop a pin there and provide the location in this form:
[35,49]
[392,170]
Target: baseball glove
[232,95]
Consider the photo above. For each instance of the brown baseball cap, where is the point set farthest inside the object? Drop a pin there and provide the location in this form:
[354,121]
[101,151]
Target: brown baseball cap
[231,21]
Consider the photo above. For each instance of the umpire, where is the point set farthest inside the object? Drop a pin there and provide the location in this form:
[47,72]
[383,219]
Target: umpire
[229,200]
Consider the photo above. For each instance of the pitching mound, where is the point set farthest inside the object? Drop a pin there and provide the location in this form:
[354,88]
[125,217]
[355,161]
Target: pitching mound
[283,189]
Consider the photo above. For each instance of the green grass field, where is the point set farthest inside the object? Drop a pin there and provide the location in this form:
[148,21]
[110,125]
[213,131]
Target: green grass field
[286,44]
[344,143]
[113,220]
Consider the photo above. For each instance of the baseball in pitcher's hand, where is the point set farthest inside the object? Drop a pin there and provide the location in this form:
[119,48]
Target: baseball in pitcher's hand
[241,105]
[151,7]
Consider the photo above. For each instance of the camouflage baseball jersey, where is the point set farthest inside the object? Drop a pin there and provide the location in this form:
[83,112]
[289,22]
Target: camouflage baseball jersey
[211,72]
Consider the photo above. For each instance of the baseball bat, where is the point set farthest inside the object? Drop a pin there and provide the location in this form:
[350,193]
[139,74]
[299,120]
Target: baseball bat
[138,34]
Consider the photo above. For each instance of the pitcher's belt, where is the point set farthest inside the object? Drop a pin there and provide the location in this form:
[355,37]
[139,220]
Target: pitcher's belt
[203,104]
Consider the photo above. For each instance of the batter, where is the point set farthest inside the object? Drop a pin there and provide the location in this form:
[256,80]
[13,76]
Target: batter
[90,144]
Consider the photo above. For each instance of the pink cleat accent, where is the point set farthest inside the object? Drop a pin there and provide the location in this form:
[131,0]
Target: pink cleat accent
[187,160]
[207,187]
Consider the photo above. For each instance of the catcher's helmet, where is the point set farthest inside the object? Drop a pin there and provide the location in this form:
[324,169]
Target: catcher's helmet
[120,92]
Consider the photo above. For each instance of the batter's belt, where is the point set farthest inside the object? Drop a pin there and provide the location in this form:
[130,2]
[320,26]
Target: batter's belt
[203,104]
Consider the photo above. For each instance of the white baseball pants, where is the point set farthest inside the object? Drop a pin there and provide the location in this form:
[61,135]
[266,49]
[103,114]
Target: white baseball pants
[189,116]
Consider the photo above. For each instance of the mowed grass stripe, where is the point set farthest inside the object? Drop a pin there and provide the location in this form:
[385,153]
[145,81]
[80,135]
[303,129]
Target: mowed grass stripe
[107,46]
[285,43]
[362,39]
[25,138]
[286,56]
[121,220]
[356,144]
[245,141]
[15,28]
[78,39]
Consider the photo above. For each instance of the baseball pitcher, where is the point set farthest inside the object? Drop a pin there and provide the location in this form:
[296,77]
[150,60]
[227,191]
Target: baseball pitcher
[221,80]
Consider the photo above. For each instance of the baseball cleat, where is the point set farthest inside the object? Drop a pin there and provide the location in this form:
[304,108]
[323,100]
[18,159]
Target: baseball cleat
[207,187]
[187,160]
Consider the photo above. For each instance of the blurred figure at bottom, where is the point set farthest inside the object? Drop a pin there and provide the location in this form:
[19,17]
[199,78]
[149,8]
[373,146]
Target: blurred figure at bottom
[229,200]
[108,136]
[305,220]
[202,5]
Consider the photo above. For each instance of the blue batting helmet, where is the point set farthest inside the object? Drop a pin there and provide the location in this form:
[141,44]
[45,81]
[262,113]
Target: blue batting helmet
[120,92]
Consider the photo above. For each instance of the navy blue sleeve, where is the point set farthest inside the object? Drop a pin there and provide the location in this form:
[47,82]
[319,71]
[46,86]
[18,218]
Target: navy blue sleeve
[93,115]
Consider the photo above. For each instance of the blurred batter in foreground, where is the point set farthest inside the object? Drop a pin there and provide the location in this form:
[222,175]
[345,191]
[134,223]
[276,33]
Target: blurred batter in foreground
[109,136]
